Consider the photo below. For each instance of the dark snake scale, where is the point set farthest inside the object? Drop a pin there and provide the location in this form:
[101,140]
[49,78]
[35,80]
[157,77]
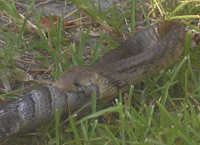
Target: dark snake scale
[140,56]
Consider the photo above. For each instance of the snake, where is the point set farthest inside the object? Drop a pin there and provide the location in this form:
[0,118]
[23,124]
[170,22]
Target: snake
[141,56]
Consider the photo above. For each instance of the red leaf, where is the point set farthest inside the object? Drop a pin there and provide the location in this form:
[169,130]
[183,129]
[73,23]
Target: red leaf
[45,21]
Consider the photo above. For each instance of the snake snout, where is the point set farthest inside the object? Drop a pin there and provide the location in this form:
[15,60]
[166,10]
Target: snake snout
[74,80]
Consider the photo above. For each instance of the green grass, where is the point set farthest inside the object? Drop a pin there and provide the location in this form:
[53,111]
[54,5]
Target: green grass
[161,110]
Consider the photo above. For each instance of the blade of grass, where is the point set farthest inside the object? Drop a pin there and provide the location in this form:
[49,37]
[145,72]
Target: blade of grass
[132,17]
[177,9]
[163,9]
[149,111]
[110,134]
[85,132]
[193,75]
[72,123]
[94,97]
[100,113]
[11,9]
[75,59]
[58,36]
[96,49]
[57,118]
[174,121]
[92,132]
[145,16]
[185,17]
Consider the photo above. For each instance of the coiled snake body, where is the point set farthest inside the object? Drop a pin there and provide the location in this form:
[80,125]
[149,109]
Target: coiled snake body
[139,57]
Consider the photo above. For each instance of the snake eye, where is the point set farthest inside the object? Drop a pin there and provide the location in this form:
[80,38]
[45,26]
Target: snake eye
[79,87]
[76,83]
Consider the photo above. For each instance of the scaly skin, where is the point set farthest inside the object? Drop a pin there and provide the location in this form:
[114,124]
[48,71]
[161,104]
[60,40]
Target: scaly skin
[142,55]
[37,108]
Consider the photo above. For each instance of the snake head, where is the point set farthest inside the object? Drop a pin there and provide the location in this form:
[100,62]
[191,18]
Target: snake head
[77,79]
